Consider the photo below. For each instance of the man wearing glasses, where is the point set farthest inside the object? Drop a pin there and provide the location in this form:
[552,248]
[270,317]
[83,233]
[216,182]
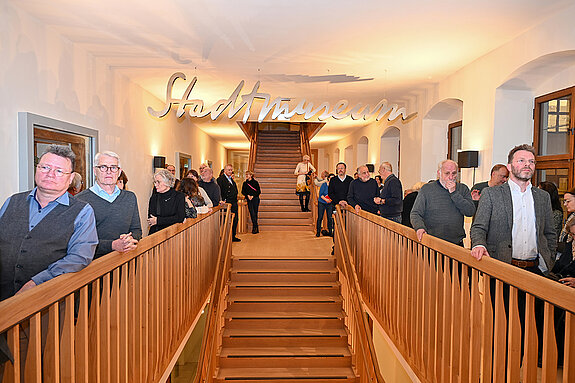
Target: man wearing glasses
[117,217]
[45,232]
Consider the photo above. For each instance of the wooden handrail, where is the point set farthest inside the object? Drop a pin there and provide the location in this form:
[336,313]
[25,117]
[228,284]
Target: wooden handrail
[366,359]
[123,318]
[207,359]
[446,312]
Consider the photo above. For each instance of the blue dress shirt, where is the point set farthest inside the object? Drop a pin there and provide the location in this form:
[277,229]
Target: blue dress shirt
[82,244]
[96,189]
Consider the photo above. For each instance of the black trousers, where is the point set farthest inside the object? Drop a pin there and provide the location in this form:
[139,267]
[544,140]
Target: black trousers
[304,200]
[253,207]
[235,222]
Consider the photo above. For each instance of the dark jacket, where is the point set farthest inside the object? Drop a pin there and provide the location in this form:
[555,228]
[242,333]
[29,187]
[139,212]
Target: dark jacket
[392,192]
[494,221]
[229,190]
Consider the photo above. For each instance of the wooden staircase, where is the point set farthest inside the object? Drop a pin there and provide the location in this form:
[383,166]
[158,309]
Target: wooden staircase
[277,155]
[284,322]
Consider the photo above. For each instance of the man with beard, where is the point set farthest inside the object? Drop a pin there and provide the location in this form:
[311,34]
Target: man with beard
[514,221]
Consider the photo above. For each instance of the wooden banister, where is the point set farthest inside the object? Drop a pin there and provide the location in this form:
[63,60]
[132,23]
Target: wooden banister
[361,343]
[121,319]
[214,319]
[447,313]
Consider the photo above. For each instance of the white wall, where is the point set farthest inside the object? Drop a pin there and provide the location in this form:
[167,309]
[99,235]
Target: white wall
[42,73]
[495,117]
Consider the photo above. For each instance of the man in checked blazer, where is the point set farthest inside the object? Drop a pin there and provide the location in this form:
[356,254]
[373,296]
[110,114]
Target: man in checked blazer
[514,221]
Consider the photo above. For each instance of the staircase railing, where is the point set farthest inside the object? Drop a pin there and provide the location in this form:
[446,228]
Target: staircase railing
[123,318]
[439,307]
[356,320]
[253,150]
[211,341]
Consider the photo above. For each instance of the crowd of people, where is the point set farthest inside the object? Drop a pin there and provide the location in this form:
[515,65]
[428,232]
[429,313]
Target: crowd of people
[512,221]
[74,226]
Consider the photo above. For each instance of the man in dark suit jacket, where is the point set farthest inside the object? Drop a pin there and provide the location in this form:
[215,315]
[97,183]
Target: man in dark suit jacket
[229,192]
[492,231]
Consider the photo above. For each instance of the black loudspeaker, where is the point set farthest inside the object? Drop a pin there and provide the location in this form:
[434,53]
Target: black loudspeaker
[370,168]
[159,162]
[468,159]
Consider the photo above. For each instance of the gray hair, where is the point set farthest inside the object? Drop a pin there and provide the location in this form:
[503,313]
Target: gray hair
[109,154]
[387,166]
[167,178]
[445,162]
[306,157]
[61,151]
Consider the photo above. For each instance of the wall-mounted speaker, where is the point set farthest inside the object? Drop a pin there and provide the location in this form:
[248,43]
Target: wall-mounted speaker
[159,162]
[370,167]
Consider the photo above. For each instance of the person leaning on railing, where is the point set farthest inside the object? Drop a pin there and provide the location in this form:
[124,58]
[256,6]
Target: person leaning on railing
[44,232]
[117,217]
[166,206]
[440,206]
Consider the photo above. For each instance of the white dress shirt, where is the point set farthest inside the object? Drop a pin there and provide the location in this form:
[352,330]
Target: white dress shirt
[524,233]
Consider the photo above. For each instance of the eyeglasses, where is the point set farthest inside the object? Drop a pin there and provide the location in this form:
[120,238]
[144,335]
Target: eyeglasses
[105,168]
[45,169]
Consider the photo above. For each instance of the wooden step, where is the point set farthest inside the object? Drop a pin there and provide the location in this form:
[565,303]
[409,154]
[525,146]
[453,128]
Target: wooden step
[253,337]
[281,208]
[284,214]
[286,228]
[278,322]
[285,221]
[276,202]
[276,166]
[296,276]
[295,264]
[295,316]
[285,290]
[279,196]
[284,357]
[295,306]
[284,375]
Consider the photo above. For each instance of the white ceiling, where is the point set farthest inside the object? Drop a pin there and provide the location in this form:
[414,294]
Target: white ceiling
[322,50]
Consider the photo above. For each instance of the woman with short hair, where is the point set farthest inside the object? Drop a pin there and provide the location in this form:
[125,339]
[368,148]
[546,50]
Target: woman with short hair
[167,206]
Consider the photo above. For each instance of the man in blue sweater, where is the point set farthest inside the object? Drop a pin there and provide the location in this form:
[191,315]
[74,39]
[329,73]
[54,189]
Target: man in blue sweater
[117,217]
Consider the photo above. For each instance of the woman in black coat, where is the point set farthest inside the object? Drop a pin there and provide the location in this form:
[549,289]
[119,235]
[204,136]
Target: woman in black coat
[167,206]
[251,190]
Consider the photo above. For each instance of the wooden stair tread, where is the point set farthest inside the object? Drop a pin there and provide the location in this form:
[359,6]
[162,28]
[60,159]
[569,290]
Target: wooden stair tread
[285,332]
[276,372]
[310,257]
[279,284]
[281,271]
[284,314]
[271,298]
[285,351]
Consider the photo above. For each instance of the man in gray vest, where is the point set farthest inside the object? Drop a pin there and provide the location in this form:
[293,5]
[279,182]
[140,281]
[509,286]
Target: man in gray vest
[44,232]
[117,217]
